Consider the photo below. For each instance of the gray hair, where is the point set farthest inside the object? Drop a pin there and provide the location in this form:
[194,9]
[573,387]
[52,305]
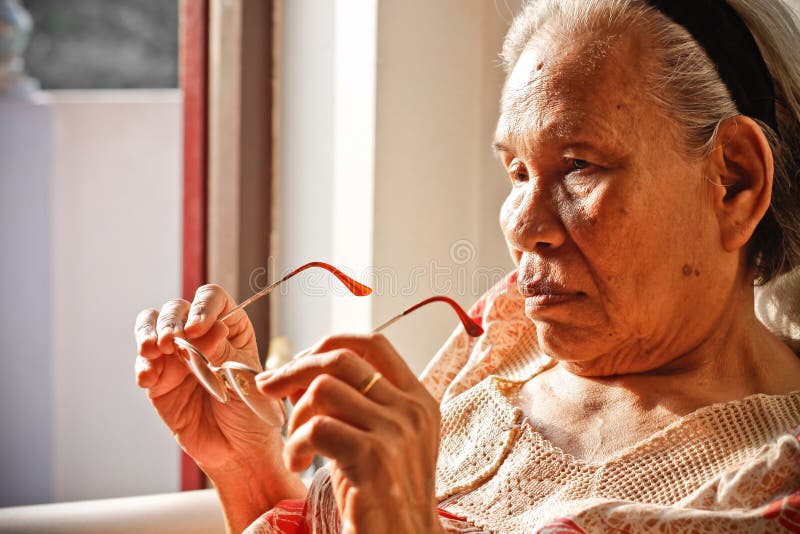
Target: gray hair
[687,85]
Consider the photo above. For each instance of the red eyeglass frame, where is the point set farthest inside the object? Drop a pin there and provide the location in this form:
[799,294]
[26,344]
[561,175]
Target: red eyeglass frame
[240,378]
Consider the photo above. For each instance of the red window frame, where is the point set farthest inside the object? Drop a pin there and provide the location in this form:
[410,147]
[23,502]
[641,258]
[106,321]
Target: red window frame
[194,83]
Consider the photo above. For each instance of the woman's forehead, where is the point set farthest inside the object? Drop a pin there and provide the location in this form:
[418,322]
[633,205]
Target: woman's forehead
[560,92]
[563,129]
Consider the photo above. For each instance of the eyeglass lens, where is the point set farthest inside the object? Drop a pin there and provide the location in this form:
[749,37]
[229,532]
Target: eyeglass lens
[243,380]
[199,366]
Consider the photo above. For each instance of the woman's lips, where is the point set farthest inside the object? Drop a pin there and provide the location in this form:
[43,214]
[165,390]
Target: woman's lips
[551,299]
[543,294]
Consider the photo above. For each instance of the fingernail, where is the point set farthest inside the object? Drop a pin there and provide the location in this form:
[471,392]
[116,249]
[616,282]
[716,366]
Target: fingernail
[194,318]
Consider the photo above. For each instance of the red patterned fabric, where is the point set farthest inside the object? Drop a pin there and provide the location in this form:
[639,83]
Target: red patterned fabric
[786,512]
[288,517]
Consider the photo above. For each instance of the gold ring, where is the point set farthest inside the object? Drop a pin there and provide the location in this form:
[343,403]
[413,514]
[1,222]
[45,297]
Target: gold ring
[369,383]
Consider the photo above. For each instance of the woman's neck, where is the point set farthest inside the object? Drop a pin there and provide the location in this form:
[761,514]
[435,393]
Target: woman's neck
[620,410]
[621,399]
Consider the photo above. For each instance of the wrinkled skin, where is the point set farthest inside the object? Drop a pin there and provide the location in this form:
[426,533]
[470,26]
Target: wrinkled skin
[383,444]
[239,453]
[630,251]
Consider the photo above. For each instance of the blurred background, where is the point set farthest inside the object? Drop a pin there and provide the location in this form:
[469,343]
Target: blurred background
[150,146]
[103,44]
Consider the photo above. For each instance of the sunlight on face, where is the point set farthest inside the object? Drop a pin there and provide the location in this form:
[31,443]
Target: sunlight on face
[607,219]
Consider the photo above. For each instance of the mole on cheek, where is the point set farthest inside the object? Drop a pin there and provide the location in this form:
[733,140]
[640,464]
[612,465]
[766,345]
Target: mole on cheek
[539,66]
[687,270]
[697,272]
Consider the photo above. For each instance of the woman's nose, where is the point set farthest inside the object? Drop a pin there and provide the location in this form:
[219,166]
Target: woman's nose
[534,224]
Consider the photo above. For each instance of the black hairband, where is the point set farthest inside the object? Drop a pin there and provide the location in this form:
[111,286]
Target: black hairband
[728,42]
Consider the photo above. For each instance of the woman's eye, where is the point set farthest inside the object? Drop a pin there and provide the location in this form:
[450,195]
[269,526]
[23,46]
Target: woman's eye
[518,174]
[579,164]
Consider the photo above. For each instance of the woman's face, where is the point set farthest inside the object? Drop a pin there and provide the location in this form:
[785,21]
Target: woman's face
[609,220]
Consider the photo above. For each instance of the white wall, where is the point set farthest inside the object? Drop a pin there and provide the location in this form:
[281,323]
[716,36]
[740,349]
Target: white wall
[92,183]
[25,380]
[415,187]
[303,164]
[116,234]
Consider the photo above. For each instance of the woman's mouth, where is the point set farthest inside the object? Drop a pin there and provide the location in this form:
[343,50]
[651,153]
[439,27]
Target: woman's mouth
[542,294]
[549,299]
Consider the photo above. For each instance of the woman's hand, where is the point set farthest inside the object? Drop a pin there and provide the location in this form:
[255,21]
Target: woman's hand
[237,450]
[383,444]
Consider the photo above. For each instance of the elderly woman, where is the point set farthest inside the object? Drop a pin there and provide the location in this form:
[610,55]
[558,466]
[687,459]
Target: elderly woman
[623,382]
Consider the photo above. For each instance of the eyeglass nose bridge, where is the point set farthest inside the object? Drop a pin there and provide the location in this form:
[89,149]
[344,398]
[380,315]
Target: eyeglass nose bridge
[234,376]
[241,379]
[231,375]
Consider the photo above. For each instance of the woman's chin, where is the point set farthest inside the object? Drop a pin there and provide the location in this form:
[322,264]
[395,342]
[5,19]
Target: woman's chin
[571,317]
[562,342]
[571,340]
[588,352]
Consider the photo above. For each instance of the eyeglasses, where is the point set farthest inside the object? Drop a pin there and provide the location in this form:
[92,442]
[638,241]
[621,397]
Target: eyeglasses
[240,378]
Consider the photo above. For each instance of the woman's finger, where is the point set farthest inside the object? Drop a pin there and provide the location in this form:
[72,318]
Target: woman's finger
[159,376]
[331,438]
[343,364]
[210,301]
[327,395]
[146,335]
[172,373]
[148,371]
[376,350]
[213,343]
[170,324]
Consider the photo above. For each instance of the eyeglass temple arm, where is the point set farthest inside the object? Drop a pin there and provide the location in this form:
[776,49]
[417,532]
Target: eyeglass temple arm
[472,328]
[356,288]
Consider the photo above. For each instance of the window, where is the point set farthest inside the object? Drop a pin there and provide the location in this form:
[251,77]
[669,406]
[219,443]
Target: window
[103,44]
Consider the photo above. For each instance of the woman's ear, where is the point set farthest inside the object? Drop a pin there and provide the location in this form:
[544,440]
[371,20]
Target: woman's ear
[741,162]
